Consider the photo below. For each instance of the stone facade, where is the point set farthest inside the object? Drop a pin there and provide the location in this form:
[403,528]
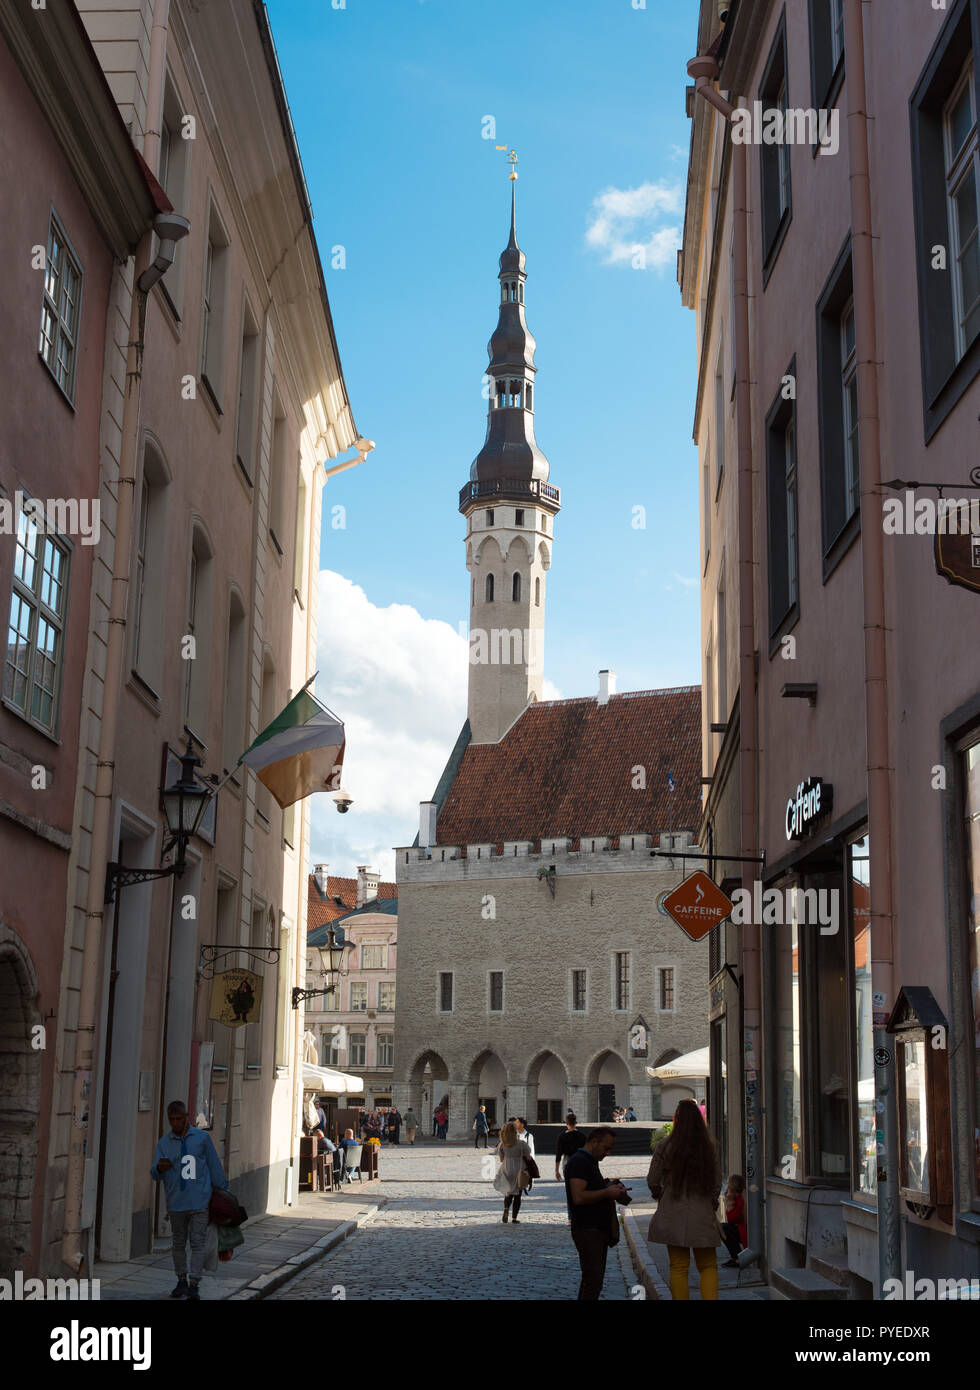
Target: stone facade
[474,916]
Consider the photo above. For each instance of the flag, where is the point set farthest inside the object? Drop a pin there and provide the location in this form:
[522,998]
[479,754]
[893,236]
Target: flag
[670,780]
[302,751]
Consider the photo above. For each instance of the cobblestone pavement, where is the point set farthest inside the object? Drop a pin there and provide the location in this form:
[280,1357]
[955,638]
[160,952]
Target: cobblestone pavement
[441,1237]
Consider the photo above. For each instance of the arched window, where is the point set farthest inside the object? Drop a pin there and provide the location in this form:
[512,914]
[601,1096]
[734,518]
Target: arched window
[515,393]
[489,589]
[530,389]
[515,588]
[537,593]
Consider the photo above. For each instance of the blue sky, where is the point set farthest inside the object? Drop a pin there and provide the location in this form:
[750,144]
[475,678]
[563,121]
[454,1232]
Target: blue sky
[389,98]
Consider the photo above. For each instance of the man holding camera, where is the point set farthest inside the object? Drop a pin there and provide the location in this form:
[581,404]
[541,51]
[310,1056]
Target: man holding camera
[588,1195]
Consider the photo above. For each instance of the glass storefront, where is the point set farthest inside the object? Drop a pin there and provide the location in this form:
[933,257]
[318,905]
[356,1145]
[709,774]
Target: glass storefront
[859,903]
[971,783]
[788,1157]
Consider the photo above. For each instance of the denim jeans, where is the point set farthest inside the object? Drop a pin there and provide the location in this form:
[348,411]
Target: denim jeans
[195,1225]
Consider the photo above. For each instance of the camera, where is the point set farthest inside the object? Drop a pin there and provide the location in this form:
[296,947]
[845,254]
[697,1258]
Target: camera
[343,801]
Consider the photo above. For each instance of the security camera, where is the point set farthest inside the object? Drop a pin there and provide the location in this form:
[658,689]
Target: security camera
[343,801]
[723,7]
[170,228]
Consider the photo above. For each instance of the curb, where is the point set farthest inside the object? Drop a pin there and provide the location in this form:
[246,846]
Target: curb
[265,1284]
[644,1268]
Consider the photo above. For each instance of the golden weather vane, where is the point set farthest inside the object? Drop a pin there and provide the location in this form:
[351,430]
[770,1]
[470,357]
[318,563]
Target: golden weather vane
[511,160]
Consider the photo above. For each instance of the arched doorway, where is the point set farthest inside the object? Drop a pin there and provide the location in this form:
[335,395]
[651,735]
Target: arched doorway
[428,1088]
[608,1080]
[547,1083]
[488,1077]
[20,1101]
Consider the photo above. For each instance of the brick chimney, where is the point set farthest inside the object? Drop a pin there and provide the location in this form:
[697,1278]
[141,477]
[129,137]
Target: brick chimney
[607,686]
[321,878]
[367,884]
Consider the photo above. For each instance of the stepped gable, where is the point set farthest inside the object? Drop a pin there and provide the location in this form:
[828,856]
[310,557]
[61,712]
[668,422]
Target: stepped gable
[566,768]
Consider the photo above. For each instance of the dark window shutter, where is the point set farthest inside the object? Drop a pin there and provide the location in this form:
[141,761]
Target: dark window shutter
[778,549]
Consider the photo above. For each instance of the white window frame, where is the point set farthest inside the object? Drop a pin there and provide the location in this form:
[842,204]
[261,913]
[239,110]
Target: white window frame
[959,164]
[29,595]
[384,984]
[377,1049]
[379,946]
[353,1061]
[65,323]
[358,985]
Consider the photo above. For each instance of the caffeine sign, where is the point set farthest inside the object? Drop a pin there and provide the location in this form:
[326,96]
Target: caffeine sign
[813,799]
[697,905]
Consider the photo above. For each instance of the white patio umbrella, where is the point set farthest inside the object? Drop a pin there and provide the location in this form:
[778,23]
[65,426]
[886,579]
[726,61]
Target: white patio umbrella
[690,1064]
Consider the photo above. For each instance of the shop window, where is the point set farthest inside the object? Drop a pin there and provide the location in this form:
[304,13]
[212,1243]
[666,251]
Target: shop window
[865,1165]
[946,192]
[970,780]
[827,1097]
[787,1107]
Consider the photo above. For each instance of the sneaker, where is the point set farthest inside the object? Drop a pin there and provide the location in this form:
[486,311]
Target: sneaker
[179,1289]
[504,1218]
[194,1292]
[514,1221]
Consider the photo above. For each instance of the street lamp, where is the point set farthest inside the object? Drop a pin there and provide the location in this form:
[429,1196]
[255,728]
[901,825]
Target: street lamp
[184,805]
[332,954]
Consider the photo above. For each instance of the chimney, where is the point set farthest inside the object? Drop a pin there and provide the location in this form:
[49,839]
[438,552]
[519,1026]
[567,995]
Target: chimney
[367,884]
[320,877]
[607,686]
[427,824]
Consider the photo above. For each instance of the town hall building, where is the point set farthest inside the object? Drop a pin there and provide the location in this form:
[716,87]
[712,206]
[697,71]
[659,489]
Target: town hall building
[536,969]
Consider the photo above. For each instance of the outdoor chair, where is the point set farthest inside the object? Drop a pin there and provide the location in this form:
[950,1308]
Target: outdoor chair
[352,1159]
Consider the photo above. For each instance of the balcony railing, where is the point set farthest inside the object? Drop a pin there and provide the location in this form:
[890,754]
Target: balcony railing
[509,487]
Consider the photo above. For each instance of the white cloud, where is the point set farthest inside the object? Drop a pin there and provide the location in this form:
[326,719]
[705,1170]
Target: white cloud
[686,583]
[622,225]
[398,681]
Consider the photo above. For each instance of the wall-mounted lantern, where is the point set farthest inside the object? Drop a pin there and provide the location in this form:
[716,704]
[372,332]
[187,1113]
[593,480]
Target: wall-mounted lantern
[921,1037]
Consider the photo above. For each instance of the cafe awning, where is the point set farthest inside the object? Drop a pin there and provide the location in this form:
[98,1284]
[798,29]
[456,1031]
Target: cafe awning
[690,1064]
[330,1082]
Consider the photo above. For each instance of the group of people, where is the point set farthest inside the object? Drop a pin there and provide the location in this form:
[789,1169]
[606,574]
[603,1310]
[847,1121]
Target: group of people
[624,1114]
[385,1123]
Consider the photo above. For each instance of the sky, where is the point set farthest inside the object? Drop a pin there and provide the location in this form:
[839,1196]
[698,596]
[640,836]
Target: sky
[392,101]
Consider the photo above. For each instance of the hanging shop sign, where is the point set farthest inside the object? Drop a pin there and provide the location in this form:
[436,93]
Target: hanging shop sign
[812,800]
[958,559]
[697,905]
[236,998]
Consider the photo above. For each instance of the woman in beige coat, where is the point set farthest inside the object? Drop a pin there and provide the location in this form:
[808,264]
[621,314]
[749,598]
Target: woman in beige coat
[510,1182]
[686,1176]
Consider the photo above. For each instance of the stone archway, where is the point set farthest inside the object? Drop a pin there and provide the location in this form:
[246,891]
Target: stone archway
[427,1088]
[608,1084]
[20,1101]
[488,1086]
[547,1089]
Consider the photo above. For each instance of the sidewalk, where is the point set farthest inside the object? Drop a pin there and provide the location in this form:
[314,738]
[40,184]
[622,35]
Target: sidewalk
[652,1265]
[276,1247]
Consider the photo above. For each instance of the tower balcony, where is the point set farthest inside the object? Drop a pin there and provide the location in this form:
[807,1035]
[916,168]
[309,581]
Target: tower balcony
[518,488]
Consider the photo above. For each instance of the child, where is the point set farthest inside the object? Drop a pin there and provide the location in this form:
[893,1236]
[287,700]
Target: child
[733,1227]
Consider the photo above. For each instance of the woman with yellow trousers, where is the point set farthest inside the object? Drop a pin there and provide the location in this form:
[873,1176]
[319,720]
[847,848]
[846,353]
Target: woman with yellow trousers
[686,1177]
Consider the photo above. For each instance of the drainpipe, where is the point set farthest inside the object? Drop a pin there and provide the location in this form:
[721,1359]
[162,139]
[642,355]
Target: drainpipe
[875,667]
[704,70]
[72,1245]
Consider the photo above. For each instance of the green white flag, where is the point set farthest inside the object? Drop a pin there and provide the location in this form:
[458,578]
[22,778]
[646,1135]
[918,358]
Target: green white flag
[302,751]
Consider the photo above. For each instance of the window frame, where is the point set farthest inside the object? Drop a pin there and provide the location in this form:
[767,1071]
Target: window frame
[493,975]
[837,535]
[959,164]
[618,981]
[383,986]
[573,972]
[779,420]
[70,331]
[30,597]
[358,1008]
[775,167]
[442,975]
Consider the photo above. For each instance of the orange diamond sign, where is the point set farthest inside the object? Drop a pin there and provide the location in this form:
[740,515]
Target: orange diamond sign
[697,905]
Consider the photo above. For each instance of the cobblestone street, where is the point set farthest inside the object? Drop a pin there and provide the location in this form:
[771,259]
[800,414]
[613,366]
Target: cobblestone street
[441,1237]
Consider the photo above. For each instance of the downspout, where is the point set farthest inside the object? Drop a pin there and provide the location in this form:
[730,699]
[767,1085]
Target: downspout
[72,1251]
[704,70]
[875,657]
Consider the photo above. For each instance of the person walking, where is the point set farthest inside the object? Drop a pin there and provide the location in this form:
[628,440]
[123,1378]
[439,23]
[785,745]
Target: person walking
[590,1215]
[435,1122]
[187,1164]
[569,1141]
[686,1177]
[511,1177]
[394,1125]
[442,1123]
[481,1125]
[524,1133]
[411,1125]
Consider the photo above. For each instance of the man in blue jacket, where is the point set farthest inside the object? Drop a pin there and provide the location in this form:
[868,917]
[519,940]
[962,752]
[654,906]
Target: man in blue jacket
[187,1164]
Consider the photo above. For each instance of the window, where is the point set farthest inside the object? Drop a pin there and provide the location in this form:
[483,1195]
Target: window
[216,259]
[253,1032]
[970,777]
[519,516]
[706,504]
[149,586]
[233,726]
[373,957]
[489,588]
[826,50]
[719,418]
[329,1048]
[385,1050]
[859,907]
[331,999]
[301,540]
[840,474]
[226,936]
[60,309]
[489,516]
[277,474]
[446,992]
[284,996]
[356,1049]
[787,1127]
[621,979]
[721,628]
[197,671]
[267,712]
[173,176]
[515,588]
[528,389]
[775,158]
[537,593]
[666,990]
[386,996]
[358,996]
[962,157]
[496,991]
[579,987]
[783,512]
[35,635]
[826,1114]
[247,396]
[946,182]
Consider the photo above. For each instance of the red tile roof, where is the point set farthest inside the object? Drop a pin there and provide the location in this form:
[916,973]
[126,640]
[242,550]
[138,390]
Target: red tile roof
[340,898]
[566,768]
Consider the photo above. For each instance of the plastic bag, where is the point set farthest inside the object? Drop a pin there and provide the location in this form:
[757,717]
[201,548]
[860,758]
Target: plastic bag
[229,1237]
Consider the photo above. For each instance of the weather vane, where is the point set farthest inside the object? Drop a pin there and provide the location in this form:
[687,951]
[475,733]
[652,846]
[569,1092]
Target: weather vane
[511,160]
